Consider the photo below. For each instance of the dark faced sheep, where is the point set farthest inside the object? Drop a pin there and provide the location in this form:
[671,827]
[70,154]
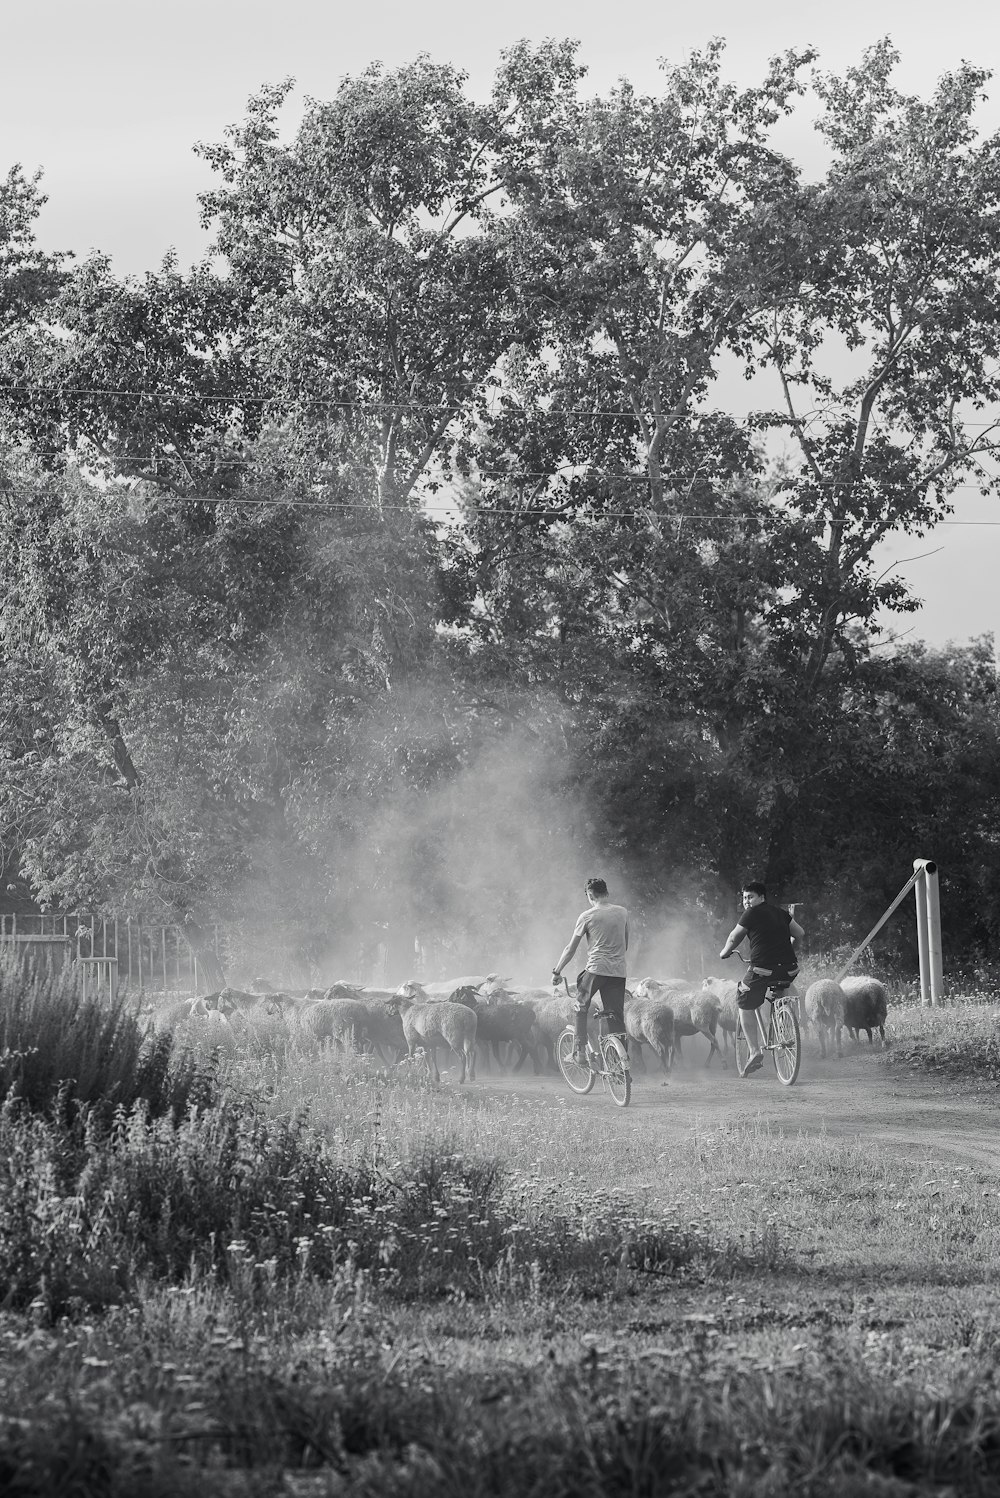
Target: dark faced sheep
[502,1020]
[552,1012]
[444,988]
[440,1023]
[383,1026]
[865,1007]
[823,1006]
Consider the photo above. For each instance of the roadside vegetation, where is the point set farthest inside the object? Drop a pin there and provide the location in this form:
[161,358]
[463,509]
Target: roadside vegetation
[325,1276]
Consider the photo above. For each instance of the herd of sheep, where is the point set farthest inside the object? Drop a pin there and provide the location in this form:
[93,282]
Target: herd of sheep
[507,1024]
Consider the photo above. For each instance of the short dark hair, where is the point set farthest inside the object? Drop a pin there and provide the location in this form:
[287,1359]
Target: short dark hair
[596,887]
[754,887]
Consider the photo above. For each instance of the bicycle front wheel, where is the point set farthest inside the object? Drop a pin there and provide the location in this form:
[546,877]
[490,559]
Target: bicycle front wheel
[578,1076]
[741,1050]
[787,1051]
[617,1072]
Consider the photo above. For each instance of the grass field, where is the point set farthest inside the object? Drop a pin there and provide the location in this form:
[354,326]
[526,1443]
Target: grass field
[510,1295]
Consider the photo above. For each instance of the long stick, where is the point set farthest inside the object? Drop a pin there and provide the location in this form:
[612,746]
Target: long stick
[917,874]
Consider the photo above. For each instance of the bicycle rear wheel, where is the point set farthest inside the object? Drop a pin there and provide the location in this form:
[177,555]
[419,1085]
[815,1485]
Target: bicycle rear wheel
[617,1072]
[579,1077]
[787,1051]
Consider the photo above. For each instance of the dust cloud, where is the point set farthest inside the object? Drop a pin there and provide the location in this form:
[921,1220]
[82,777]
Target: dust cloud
[481,871]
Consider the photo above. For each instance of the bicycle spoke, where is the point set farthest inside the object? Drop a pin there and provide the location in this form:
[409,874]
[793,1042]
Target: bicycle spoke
[576,1074]
[617,1073]
[787,1051]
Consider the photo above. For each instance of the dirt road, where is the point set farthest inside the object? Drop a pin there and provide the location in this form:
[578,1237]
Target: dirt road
[858,1095]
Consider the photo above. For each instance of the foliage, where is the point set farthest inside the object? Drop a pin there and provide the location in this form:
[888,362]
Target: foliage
[426,467]
[80,1060]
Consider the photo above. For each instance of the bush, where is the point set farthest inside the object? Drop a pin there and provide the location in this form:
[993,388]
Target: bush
[59,1051]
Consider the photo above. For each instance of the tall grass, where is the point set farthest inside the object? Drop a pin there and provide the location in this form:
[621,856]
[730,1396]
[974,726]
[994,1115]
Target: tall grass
[350,1281]
[61,1051]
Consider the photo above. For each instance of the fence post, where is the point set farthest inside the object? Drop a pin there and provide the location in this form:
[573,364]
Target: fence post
[934,952]
[929,932]
[920,893]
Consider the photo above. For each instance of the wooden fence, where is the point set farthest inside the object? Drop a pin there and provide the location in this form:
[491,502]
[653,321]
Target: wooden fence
[115,952]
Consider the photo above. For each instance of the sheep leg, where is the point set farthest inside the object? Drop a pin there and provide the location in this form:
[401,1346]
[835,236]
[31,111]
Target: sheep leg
[526,1051]
[714,1049]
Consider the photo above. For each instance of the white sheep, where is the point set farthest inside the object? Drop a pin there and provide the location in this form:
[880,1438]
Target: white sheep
[208,1032]
[865,1007]
[823,1006]
[650,1021]
[337,1021]
[440,1023]
[726,990]
[696,1012]
[260,1030]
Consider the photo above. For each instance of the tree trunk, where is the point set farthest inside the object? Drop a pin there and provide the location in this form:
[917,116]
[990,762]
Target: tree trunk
[211,973]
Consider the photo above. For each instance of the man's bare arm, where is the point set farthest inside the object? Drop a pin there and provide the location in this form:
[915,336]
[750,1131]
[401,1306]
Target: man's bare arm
[567,954]
[732,941]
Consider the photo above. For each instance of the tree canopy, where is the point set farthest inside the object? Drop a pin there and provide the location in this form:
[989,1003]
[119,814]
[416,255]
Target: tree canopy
[377,576]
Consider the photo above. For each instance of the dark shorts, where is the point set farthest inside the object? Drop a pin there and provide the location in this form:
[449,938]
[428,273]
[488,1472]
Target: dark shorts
[612,992]
[753,987]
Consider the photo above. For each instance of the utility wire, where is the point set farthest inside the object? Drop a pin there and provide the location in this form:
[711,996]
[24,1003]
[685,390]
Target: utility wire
[361,408]
[543,512]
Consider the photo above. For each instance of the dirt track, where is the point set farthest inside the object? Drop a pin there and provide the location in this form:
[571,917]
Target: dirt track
[857,1095]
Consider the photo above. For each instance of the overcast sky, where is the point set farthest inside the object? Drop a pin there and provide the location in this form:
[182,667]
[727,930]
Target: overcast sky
[108,97]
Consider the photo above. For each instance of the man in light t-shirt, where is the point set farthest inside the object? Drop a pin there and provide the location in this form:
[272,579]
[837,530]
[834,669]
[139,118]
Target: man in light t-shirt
[605,927]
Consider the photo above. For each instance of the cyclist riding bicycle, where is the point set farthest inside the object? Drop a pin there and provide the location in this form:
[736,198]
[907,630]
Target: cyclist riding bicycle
[772,931]
[606,928]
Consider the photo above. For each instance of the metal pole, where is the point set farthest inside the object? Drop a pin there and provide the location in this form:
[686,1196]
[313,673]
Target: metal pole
[934,952]
[920,891]
[163,951]
[879,924]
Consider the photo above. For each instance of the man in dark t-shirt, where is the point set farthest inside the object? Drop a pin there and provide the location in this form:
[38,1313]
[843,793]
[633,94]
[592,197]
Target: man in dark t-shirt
[772,959]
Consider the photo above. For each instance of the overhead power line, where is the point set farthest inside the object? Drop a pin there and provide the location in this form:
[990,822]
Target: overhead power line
[335,506]
[332,403]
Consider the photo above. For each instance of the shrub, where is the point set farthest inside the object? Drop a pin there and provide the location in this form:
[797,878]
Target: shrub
[58,1050]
